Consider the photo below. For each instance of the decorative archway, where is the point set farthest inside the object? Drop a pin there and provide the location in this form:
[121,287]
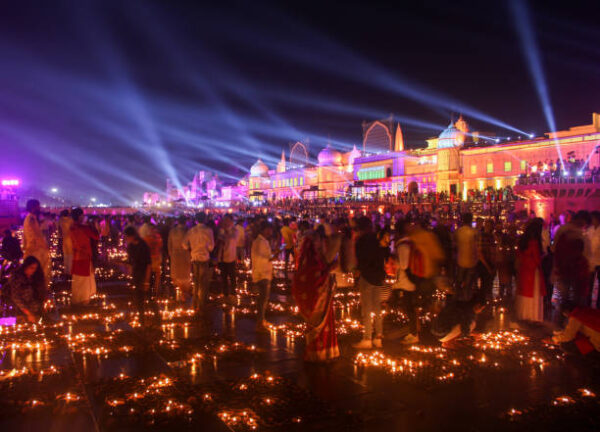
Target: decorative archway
[378,128]
[299,154]
[413,187]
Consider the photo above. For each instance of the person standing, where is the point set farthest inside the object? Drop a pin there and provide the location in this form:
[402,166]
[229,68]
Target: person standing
[227,240]
[149,233]
[180,259]
[34,242]
[402,250]
[531,288]
[64,229]
[241,240]
[104,233]
[200,242]
[83,285]
[570,265]
[313,289]
[371,277]
[486,251]
[593,255]
[467,258]
[138,254]
[288,236]
[262,271]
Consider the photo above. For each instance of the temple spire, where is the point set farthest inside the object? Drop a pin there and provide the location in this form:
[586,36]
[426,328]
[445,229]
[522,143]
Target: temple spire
[399,139]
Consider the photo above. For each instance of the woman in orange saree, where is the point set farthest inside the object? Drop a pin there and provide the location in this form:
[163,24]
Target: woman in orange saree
[313,290]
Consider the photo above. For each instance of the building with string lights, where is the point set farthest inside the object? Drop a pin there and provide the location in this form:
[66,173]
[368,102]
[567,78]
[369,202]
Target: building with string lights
[457,162]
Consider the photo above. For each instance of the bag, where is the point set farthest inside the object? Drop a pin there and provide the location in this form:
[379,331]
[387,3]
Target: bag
[416,262]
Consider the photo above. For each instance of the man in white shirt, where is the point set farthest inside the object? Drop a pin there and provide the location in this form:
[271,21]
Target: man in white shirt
[200,242]
[467,257]
[227,253]
[262,271]
[593,254]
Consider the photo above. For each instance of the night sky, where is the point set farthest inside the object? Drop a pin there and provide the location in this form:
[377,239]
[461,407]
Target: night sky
[109,98]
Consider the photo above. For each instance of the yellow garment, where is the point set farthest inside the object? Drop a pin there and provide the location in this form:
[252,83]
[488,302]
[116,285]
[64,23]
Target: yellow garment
[64,225]
[288,236]
[429,247]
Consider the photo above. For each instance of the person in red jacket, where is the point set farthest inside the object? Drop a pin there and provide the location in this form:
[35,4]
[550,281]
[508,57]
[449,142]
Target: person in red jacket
[83,286]
[531,288]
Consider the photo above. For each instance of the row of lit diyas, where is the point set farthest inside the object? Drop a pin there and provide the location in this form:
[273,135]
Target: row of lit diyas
[102,344]
[39,375]
[194,355]
[147,400]
[428,365]
[583,395]
[159,399]
[499,350]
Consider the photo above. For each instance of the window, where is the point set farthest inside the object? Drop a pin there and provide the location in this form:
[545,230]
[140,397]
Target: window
[301,181]
[490,167]
[507,166]
[473,169]
[523,165]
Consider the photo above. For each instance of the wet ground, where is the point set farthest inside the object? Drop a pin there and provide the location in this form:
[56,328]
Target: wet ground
[98,369]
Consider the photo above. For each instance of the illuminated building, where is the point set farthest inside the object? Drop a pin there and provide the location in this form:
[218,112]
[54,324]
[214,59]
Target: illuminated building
[331,177]
[9,203]
[457,162]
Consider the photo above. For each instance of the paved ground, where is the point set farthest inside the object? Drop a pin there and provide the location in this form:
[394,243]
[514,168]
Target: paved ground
[217,374]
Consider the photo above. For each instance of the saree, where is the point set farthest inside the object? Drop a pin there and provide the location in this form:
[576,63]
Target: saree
[313,290]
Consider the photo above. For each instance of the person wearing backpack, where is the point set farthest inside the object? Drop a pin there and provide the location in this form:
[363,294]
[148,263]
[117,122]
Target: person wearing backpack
[423,270]
[403,248]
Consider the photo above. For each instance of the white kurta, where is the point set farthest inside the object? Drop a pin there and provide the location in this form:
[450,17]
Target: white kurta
[531,308]
[34,244]
[180,257]
[83,288]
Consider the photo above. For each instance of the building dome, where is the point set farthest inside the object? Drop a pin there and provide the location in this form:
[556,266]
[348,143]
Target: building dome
[329,156]
[451,137]
[259,169]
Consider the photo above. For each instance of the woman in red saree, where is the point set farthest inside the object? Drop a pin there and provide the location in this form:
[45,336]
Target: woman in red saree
[313,290]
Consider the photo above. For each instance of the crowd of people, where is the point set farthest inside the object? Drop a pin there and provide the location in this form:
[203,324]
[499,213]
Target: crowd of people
[545,271]
[570,170]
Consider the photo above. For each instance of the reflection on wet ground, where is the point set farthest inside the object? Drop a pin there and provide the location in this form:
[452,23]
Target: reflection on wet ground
[98,369]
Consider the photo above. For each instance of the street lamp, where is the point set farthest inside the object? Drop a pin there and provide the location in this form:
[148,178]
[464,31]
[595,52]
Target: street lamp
[54,190]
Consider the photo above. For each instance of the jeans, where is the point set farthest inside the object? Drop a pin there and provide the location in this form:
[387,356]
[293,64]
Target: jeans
[286,254]
[227,277]
[264,292]
[410,306]
[465,278]
[241,253]
[201,273]
[487,280]
[370,297]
